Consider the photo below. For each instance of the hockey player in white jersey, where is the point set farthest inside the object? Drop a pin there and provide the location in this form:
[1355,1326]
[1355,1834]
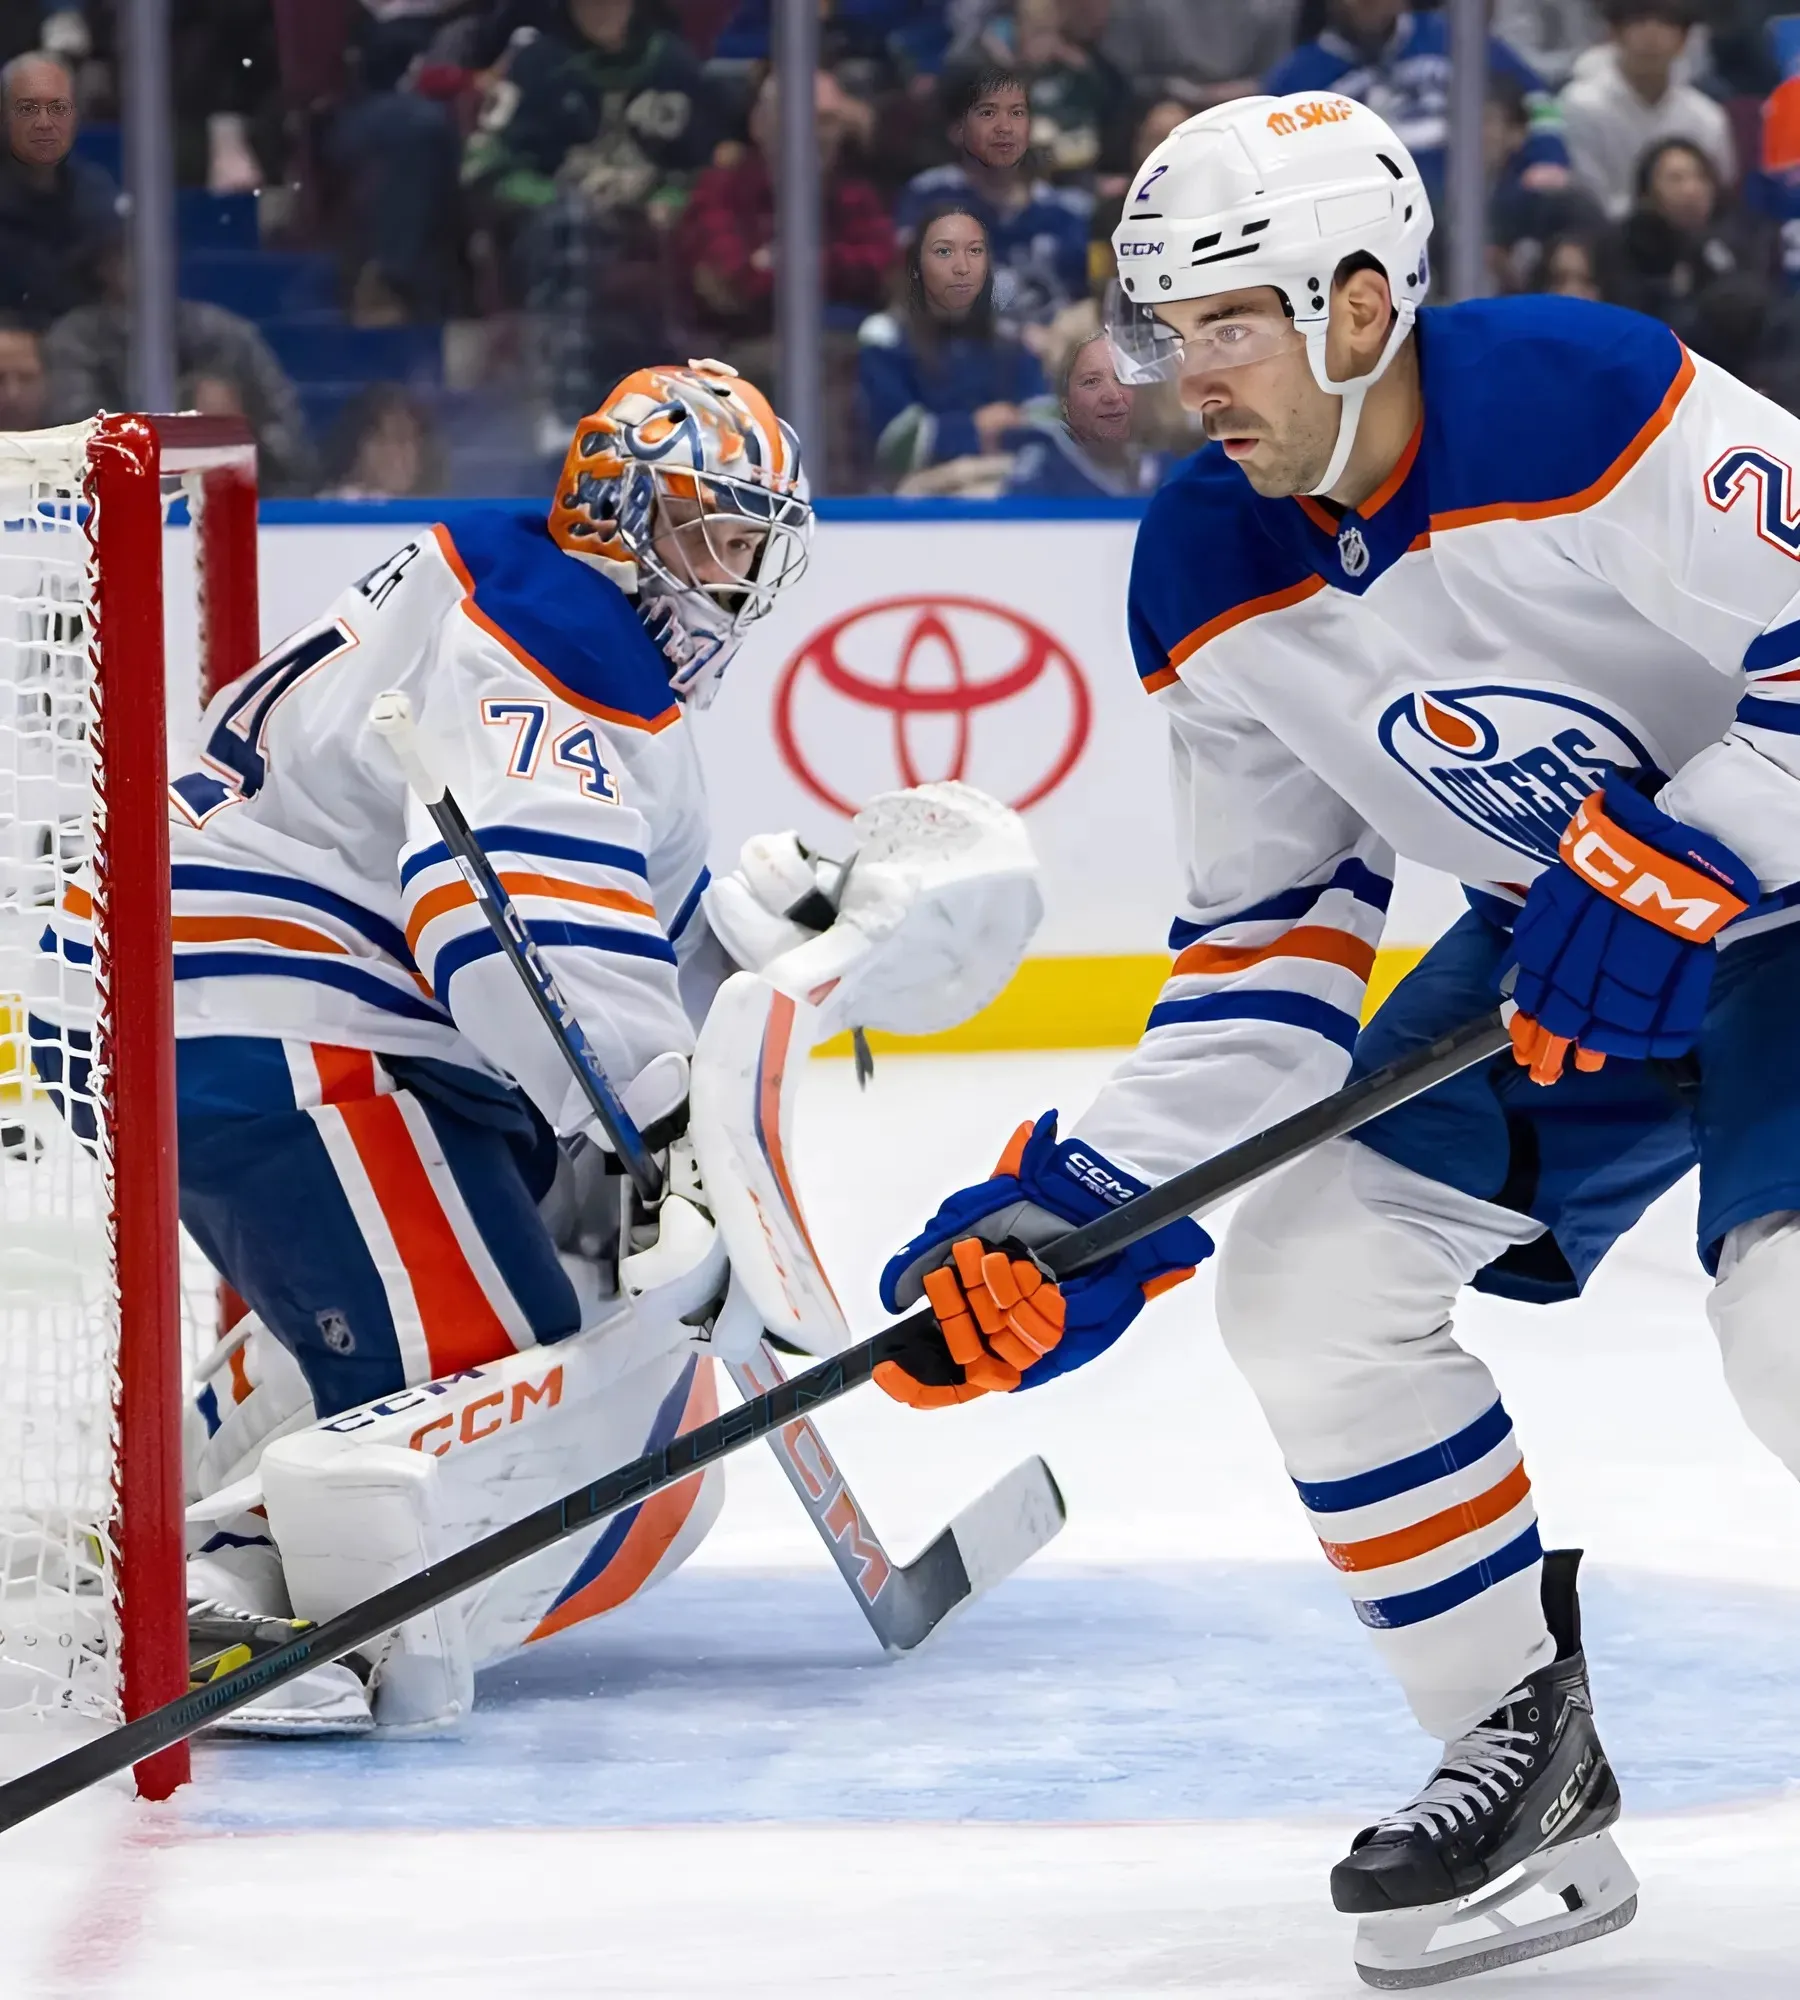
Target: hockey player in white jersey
[1512,588]
[454,1318]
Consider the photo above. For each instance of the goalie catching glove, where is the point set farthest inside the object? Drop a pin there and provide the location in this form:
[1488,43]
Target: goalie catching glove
[1614,945]
[1000,1316]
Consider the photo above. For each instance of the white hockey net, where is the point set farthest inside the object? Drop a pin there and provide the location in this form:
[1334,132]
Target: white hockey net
[59,1319]
[65,1587]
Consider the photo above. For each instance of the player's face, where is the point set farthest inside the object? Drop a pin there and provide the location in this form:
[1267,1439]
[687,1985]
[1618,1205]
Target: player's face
[1245,375]
[705,549]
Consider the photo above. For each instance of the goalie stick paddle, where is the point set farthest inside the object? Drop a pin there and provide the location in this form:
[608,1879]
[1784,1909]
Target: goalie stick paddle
[1200,1187]
[903,1603]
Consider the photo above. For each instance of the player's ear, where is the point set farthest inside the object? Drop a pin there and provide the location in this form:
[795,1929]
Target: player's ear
[1362,310]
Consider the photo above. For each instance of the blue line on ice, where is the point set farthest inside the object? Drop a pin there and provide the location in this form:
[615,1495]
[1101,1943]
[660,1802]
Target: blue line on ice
[1205,1692]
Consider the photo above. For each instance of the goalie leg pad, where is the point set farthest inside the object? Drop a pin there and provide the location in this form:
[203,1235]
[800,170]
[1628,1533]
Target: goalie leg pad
[370,1496]
[351,1523]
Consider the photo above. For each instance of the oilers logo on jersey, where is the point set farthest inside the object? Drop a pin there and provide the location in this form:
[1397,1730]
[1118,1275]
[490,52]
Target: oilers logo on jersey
[1514,761]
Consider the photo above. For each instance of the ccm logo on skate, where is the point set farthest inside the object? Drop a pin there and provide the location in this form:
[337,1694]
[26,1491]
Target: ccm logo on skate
[1667,893]
[486,1415]
[1564,1801]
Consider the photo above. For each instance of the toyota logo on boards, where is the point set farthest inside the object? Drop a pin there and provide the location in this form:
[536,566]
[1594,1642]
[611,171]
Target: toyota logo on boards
[914,688]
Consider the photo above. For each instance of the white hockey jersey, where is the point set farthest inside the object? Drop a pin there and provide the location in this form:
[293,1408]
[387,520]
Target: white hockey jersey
[312,898]
[1588,556]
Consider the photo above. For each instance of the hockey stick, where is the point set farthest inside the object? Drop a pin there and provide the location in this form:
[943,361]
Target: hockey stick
[990,1538]
[906,1602]
[1200,1188]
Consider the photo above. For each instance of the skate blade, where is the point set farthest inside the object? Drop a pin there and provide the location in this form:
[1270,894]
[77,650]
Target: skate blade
[1593,1880]
[329,1701]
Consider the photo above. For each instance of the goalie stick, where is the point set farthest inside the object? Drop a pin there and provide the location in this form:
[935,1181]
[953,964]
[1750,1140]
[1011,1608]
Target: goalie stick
[992,1536]
[1197,1189]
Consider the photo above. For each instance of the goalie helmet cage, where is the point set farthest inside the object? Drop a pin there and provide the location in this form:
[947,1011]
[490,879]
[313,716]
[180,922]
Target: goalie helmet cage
[92,1597]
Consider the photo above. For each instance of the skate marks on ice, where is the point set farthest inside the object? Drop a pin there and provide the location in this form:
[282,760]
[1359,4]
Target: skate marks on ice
[1229,1911]
[1214,1692]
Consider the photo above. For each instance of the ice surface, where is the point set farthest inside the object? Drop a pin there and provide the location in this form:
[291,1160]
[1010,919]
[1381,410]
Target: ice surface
[1127,1772]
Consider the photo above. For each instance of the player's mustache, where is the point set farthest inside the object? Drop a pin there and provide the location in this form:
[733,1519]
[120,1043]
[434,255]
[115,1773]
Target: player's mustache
[1232,423]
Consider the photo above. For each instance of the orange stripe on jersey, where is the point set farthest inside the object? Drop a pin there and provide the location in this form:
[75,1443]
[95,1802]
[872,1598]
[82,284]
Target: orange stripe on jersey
[554,887]
[77,902]
[462,1329]
[1424,1536]
[1316,941]
[660,1519]
[254,930]
[1397,478]
[458,895]
[1322,518]
[345,1075]
[626,720]
[240,1375]
[1654,425]
[1275,600]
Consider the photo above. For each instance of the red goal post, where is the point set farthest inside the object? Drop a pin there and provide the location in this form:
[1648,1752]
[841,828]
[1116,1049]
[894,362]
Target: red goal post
[94,1609]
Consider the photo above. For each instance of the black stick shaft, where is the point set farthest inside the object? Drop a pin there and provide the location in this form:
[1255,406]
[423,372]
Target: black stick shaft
[1200,1187]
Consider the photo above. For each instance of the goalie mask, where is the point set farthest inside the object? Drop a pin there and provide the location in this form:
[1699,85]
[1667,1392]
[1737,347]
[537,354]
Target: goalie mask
[687,490]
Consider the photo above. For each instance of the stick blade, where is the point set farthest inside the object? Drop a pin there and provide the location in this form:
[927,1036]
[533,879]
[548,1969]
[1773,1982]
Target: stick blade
[987,1541]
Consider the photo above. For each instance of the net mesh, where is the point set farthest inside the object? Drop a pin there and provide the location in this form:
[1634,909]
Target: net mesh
[60,1589]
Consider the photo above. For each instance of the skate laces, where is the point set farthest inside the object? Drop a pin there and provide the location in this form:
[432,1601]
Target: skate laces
[1478,1772]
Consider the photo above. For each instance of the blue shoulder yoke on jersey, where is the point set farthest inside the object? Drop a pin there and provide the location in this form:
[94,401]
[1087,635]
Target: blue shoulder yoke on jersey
[1533,407]
[576,628]
[1203,561]
[1537,406]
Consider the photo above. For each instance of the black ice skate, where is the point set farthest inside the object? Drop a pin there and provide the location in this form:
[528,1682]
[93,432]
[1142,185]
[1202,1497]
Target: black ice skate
[1519,1805]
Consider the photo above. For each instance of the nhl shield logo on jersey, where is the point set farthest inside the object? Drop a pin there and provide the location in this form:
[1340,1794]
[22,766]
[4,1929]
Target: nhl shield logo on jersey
[1512,762]
[1353,551]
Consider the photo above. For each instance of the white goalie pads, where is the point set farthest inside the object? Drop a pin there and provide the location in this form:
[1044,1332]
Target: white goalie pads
[747,1069]
[935,909]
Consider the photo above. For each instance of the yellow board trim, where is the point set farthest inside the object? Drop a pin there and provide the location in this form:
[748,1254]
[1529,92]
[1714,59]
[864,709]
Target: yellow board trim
[1051,1003]
[1085,1003]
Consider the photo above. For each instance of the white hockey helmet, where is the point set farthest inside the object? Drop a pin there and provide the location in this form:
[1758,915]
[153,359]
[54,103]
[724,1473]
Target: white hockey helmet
[1269,191]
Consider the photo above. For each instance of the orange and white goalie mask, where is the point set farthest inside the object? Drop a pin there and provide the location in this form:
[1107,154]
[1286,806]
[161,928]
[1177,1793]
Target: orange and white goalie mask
[687,490]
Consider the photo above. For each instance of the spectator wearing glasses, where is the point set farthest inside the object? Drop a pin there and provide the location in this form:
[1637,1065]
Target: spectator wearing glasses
[57,210]
[1036,234]
[1631,95]
[939,380]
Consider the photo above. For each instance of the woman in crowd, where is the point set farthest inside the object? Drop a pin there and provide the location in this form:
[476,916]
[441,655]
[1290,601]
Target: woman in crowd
[1083,447]
[939,381]
[1682,238]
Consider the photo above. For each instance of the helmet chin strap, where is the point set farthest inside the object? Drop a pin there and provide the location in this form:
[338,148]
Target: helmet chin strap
[1351,395]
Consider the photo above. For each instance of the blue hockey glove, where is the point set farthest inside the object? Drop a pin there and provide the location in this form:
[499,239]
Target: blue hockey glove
[1614,945]
[1000,1316]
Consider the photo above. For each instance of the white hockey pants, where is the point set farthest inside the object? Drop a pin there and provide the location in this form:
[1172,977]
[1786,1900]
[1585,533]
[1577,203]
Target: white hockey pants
[1336,1286]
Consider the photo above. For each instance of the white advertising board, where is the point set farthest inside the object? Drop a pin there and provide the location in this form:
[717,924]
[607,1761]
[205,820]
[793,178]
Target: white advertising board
[927,644]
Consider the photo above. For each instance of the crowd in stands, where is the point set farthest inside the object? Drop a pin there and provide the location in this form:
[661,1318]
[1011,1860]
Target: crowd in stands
[420,238]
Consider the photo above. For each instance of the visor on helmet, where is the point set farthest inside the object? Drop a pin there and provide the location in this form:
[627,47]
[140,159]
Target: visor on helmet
[1147,349]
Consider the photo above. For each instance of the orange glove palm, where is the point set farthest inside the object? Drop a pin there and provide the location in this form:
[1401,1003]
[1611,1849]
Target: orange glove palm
[998,1314]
